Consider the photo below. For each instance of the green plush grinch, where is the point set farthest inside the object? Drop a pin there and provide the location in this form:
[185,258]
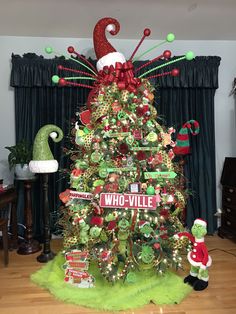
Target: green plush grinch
[198,257]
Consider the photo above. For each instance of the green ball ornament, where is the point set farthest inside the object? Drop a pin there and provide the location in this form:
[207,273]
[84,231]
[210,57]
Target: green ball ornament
[80,141]
[189,56]
[170,37]
[131,277]
[147,254]
[55,79]
[103,236]
[150,190]
[94,232]
[95,157]
[49,50]
[102,173]
[86,130]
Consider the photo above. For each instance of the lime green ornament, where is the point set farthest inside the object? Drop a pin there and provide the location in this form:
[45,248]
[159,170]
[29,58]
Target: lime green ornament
[152,137]
[98,183]
[79,141]
[110,217]
[96,157]
[131,277]
[103,236]
[147,254]
[49,50]
[146,230]
[149,124]
[81,164]
[150,190]
[102,172]
[94,232]
[86,130]
[129,140]
[189,56]
[123,224]
[55,79]
[170,37]
[121,115]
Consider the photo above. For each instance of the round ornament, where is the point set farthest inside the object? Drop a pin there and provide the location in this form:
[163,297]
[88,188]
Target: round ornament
[147,254]
[94,232]
[129,140]
[102,173]
[131,277]
[152,137]
[96,157]
[150,190]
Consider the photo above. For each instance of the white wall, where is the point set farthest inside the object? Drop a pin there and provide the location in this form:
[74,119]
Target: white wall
[225,116]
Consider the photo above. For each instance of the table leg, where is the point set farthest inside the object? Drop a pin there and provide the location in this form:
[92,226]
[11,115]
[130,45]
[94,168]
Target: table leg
[14,244]
[47,254]
[30,245]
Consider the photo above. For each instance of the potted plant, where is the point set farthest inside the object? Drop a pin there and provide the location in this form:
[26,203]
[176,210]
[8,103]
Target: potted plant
[19,158]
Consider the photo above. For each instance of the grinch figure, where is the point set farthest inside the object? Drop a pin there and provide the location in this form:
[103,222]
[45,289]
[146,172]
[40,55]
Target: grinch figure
[198,257]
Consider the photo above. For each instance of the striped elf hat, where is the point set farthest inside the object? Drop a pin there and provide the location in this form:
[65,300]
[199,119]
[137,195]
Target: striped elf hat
[182,141]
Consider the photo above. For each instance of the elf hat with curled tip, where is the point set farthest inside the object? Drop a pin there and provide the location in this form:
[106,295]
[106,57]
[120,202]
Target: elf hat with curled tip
[182,141]
[105,53]
[43,160]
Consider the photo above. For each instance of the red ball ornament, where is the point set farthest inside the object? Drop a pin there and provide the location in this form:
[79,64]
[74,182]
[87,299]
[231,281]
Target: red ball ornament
[62,82]
[123,148]
[70,49]
[175,72]
[107,128]
[147,32]
[167,54]
[156,246]
[60,67]
[141,155]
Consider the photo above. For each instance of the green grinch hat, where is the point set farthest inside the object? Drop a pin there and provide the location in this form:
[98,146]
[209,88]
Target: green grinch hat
[43,160]
[182,141]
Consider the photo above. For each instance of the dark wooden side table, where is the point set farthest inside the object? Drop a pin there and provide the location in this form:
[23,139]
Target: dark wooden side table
[29,245]
[9,197]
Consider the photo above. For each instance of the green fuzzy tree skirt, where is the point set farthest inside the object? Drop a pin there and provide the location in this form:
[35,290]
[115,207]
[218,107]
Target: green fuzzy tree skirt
[167,289]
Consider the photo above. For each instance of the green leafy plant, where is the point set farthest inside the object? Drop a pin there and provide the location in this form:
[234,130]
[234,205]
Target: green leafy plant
[21,153]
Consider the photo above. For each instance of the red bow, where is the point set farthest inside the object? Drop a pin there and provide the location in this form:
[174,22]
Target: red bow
[121,74]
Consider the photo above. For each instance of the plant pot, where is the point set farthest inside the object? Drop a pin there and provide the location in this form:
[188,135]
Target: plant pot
[23,172]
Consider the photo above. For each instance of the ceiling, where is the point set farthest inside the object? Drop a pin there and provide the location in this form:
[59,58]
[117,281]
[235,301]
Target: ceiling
[187,19]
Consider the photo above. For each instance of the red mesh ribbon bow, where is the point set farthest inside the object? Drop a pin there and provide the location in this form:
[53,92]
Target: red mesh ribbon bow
[121,74]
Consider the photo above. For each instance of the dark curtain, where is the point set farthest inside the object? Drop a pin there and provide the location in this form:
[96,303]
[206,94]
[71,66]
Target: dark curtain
[189,96]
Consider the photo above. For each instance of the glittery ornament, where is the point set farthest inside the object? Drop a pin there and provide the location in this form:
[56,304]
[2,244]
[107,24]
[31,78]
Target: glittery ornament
[150,190]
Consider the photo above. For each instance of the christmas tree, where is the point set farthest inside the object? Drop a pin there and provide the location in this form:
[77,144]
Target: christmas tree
[125,201]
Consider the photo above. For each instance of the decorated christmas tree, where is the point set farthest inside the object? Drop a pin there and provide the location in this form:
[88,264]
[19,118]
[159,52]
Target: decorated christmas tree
[125,202]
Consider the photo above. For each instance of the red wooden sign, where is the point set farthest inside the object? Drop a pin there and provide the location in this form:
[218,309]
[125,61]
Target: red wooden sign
[80,195]
[116,200]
